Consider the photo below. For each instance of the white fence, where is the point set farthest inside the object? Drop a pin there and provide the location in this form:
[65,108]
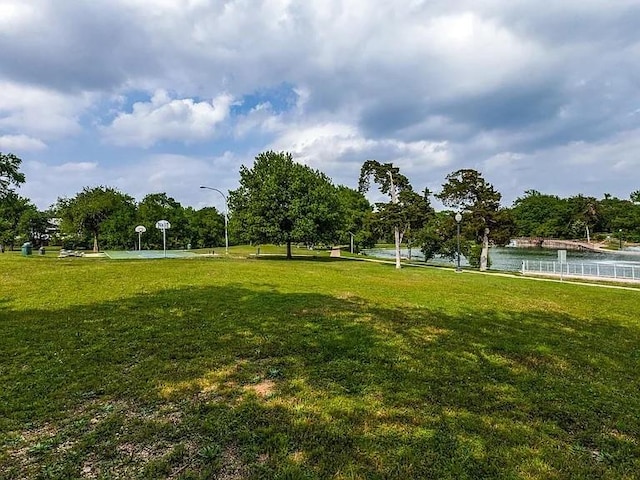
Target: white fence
[599,270]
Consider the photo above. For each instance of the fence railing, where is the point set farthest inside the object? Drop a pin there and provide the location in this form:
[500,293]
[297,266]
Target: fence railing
[599,270]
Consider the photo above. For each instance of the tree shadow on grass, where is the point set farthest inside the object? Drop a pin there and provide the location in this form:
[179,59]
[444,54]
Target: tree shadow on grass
[261,384]
[298,258]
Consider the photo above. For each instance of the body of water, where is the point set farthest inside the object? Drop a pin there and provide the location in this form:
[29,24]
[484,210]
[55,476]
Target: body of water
[510,259]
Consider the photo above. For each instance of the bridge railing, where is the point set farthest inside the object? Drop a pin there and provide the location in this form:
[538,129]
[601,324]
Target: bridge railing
[599,270]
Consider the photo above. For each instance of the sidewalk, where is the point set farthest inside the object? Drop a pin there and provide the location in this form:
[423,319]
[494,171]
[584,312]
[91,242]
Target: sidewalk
[571,279]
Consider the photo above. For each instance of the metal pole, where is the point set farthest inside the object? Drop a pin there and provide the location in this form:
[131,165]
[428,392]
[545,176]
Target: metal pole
[139,241]
[458,269]
[226,232]
[164,241]
[226,217]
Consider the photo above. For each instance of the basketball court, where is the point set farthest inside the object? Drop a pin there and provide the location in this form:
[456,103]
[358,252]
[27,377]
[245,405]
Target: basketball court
[149,254]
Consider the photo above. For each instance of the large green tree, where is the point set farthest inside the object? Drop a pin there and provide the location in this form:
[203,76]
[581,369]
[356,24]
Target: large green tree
[13,209]
[9,173]
[483,219]
[539,215]
[33,225]
[117,231]
[619,217]
[418,212]
[282,201]
[160,206]
[356,213]
[438,236]
[397,214]
[87,212]
[206,227]
[585,215]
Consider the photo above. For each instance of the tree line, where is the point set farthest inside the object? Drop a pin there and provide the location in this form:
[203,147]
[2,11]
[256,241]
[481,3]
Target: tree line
[281,201]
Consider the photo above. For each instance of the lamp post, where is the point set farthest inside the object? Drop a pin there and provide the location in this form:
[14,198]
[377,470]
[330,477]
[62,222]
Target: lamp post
[458,218]
[226,218]
[620,235]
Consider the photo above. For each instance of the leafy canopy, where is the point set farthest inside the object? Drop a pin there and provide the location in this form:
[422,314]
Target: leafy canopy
[479,202]
[405,211]
[90,209]
[9,173]
[282,201]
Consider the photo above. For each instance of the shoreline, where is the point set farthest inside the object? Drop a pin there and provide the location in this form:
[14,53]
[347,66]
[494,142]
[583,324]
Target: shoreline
[571,245]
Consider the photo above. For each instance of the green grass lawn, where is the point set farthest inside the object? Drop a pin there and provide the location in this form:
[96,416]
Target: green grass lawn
[235,368]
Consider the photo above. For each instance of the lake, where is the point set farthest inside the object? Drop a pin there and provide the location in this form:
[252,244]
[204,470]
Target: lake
[510,259]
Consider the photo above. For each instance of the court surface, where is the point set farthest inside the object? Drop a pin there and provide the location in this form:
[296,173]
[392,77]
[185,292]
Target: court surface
[148,254]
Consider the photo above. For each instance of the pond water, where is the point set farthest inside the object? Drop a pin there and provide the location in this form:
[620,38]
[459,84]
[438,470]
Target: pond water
[510,259]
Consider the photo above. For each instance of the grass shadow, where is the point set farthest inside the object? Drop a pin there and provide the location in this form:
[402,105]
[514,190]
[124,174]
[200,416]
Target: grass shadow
[252,382]
[298,258]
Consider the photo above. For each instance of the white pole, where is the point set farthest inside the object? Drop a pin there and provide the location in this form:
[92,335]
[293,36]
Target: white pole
[226,217]
[164,241]
[561,271]
[226,230]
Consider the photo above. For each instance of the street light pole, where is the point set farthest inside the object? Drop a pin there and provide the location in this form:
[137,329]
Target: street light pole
[458,218]
[620,235]
[226,218]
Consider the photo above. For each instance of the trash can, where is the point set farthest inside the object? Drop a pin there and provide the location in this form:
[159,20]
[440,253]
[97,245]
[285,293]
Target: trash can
[27,249]
[41,250]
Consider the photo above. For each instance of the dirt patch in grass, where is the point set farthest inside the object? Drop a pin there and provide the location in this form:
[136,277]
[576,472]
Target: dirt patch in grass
[111,437]
[232,466]
[263,389]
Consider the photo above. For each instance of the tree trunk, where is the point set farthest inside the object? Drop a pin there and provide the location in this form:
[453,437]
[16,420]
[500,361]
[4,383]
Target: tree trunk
[95,243]
[289,257]
[397,238]
[484,255]
[396,230]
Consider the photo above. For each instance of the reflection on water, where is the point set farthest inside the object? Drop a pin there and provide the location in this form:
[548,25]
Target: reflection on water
[510,259]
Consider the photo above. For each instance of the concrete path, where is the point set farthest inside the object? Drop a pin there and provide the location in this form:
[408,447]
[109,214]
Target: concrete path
[502,274]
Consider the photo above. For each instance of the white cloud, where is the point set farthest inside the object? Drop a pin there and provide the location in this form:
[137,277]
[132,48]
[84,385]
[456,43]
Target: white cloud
[46,183]
[164,118]
[590,168]
[47,114]
[14,15]
[21,143]
[509,87]
[180,176]
[77,167]
[340,149]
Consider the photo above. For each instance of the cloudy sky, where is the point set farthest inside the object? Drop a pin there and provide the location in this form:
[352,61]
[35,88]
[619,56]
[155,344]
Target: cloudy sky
[165,95]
